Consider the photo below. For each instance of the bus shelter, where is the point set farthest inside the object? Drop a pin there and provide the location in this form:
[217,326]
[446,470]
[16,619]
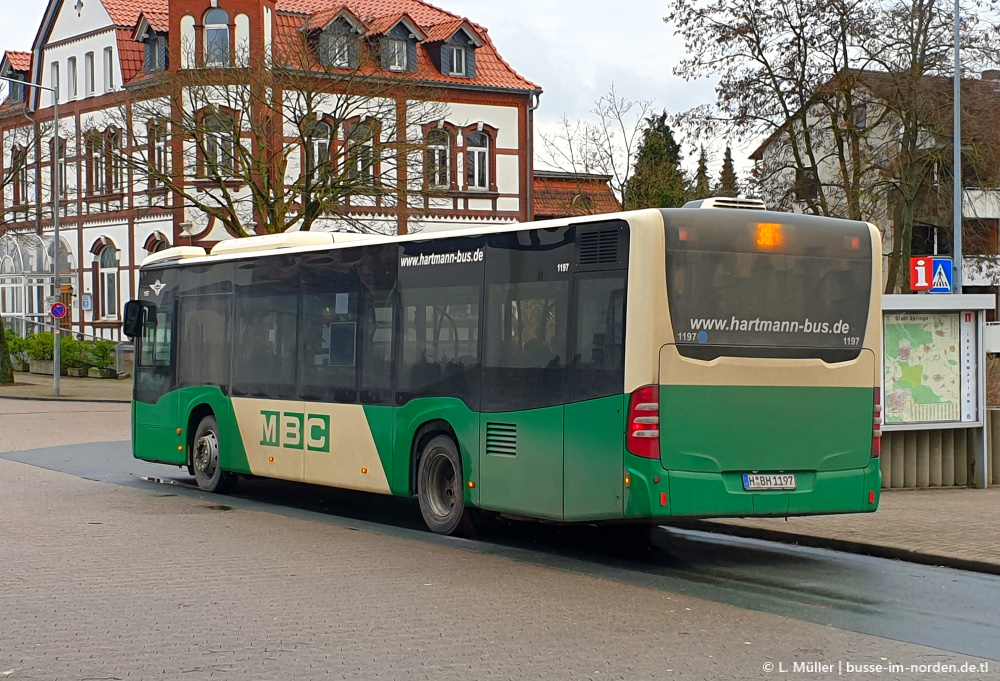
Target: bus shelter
[935,431]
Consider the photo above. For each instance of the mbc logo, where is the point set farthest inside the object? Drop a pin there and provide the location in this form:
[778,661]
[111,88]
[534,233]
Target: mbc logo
[296,431]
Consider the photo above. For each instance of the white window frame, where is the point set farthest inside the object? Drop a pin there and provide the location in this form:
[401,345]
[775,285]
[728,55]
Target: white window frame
[397,55]
[160,149]
[109,69]
[339,51]
[457,51]
[322,145]
[477,159]
[440,155]
[109,282]
[214,58]
[54,80]
[89,84]
[71,79]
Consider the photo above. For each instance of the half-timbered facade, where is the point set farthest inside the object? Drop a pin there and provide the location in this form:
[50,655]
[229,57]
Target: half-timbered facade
[115,62]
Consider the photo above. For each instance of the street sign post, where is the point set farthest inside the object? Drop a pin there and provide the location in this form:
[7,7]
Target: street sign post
[931,274]
[943,276]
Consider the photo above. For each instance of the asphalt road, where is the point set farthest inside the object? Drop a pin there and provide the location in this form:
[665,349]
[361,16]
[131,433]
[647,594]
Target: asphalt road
[946,609]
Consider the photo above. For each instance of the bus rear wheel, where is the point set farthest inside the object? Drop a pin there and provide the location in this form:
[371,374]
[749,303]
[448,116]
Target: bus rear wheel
[205,458]
[440,488]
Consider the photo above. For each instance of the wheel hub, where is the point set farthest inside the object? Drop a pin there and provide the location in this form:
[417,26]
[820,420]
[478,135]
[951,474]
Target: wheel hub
[206,454]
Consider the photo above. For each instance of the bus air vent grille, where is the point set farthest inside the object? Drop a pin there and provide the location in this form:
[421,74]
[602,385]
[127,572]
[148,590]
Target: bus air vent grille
[501,438]
[599,247]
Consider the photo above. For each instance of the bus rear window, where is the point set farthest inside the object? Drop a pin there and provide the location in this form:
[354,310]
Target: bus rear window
[772,285]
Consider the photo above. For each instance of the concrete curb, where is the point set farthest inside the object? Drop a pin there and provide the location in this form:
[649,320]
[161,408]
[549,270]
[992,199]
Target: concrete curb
[847,546]
[62,399]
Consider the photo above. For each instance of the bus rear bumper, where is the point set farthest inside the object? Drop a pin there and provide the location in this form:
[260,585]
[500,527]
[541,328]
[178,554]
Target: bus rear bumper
[656,493]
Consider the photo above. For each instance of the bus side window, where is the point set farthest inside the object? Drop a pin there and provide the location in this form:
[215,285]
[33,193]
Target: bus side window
[328,327]
[203,353]
[598,366]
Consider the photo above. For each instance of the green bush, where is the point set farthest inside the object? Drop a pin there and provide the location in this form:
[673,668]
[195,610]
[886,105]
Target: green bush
[103,354]
[18,346]
[73,354]
[40,347]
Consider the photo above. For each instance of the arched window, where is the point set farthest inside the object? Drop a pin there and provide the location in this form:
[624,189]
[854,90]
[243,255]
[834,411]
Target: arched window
[477,160]
[60,166]
[158,150]
[318,137]
[438,159]
[116,166]
[19,164]
[156,242]
[361,153]
[217,52]
[106,269]
[220,145]
[97,168]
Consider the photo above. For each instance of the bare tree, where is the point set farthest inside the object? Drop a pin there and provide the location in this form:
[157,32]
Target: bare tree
[19,143]
[288,141]
[837,88]
[607,144]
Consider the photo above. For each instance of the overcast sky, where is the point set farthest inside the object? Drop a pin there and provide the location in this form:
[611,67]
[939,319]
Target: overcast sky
[574,49]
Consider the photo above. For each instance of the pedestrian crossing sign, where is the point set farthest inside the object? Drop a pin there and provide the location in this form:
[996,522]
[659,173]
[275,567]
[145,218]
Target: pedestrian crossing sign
[943,276]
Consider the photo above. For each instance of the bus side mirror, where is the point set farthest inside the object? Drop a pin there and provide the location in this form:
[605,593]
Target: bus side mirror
[134,317]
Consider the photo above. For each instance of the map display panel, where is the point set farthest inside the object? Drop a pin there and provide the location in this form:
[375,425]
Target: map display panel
[923,368]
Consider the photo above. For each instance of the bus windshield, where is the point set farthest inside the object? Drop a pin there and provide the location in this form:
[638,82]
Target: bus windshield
[772,285]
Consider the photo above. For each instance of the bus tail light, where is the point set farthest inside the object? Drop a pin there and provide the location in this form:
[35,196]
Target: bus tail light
[644,422]
[877,426]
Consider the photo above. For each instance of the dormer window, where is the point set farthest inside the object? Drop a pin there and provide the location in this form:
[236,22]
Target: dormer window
[397,55]
[17,90]
[458,61]
[156,53]
[217,52]
[337,50]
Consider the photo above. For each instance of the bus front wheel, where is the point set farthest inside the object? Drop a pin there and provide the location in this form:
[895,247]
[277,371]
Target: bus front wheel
[440,488]
[205,458]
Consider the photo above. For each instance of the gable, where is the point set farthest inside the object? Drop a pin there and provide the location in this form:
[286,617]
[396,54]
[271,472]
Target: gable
[71,22]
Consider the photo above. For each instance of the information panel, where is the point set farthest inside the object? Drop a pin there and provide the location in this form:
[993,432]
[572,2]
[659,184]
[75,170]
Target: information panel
[931,372]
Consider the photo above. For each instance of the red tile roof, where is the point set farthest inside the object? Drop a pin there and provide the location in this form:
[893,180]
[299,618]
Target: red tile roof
[383,25]
[126,12]
[559,195]
[19,61]
[158,21]
[324,18]
[132,55]
[444,31]
[491,69]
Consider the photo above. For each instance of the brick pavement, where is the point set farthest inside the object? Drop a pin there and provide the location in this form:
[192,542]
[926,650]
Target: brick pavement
[945,526]
[107,582]
[36,386]
[28,424]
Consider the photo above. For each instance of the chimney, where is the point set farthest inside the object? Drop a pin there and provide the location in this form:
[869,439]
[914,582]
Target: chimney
[991,74]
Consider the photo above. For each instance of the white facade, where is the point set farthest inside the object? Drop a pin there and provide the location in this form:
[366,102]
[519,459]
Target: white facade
[112,217]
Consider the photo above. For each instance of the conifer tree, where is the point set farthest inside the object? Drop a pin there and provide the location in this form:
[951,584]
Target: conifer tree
[728,184]
[657,180]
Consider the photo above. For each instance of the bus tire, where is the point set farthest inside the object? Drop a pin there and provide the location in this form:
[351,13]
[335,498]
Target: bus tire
[205,458]
[440,488]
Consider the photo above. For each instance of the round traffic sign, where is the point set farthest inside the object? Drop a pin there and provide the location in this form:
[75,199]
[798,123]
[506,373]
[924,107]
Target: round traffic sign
[58,310]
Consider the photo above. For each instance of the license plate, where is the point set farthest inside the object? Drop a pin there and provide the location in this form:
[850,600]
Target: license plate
[758,481]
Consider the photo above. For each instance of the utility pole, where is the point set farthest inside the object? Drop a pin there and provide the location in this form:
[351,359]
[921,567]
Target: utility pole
[56,189]
[957,158]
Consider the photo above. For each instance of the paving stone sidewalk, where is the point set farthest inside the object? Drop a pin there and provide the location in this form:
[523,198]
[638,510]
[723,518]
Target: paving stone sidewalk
[39,387]
[955,527]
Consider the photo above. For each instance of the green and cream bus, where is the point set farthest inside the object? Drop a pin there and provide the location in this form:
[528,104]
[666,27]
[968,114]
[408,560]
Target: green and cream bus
[640,366]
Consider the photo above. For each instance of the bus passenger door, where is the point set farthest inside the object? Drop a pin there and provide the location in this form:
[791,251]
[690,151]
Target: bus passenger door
[525,350]
[595,415]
